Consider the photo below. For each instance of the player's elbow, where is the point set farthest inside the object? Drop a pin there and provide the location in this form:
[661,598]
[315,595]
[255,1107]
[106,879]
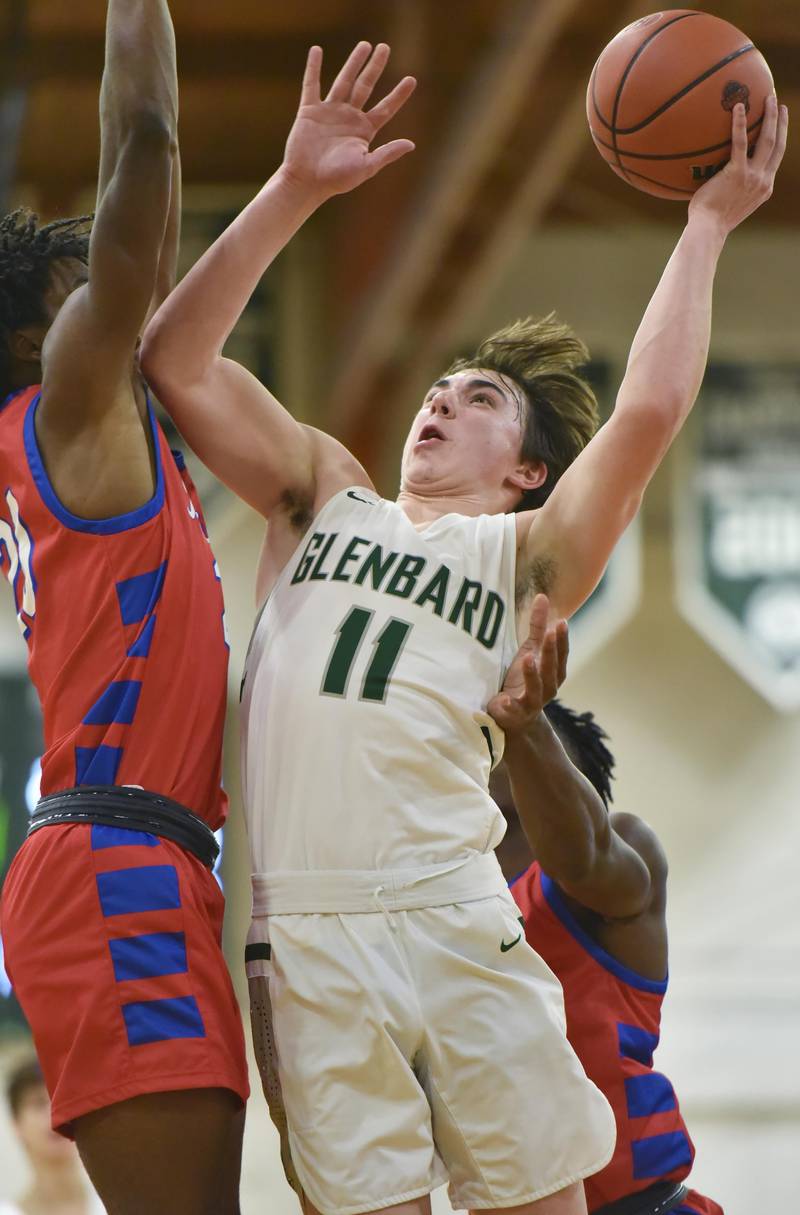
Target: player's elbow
[149,134]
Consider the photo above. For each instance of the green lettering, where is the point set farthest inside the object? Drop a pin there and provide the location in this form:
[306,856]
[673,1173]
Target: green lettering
[404,578]
[467,601]
[307,559]
[493,612]
[376,567]
[318,574]
[349,554]
[435,591]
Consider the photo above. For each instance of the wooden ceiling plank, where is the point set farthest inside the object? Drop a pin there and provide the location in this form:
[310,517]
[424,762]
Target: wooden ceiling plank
[501,83]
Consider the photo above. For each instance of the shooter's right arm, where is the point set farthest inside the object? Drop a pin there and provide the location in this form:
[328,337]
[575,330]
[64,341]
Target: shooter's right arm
[233,422]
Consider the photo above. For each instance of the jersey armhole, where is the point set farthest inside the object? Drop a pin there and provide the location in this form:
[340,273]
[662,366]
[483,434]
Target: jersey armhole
[99,527]
[555,901]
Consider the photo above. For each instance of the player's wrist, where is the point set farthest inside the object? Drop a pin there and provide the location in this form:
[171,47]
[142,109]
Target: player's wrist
[306,193]
[709,224]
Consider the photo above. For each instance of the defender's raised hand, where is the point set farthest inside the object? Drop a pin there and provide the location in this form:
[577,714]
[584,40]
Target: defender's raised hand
[537,672]
[746,181]
[329,146]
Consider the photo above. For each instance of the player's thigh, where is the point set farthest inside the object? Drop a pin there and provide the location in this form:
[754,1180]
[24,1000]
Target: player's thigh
[569,1201]
[175,1151]
[336,1027]
[515,1118]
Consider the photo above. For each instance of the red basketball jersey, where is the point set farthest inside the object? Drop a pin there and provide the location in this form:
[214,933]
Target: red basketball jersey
[123,618]
[613,1022]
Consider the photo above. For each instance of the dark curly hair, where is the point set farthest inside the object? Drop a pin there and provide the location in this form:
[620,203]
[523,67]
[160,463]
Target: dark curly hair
[584,739]
[543,357]
[27,253]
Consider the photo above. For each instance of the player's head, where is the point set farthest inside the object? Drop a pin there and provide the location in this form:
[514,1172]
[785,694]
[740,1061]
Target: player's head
[29,1106]
[504,423]
[39,266]
[585,744]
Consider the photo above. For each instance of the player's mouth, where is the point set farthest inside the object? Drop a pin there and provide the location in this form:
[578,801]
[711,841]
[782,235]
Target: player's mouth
[430,434]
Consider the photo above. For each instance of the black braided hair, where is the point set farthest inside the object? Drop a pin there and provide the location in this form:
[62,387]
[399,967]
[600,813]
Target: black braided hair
[583,739]
[27,253]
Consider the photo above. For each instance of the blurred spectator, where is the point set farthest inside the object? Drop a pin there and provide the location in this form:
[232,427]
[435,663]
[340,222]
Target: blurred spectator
[58,1183]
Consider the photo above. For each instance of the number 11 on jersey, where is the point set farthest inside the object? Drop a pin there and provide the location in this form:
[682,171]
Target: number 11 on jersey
[386,649]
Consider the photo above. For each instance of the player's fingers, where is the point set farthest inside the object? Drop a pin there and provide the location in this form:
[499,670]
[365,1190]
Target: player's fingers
[537,623]
[766,137]
[342,86]
[562,639]
[739,136]
[548,666]
[370,75]
[394,101]
[535,680]
[387,154]
[310,90]
[774,162]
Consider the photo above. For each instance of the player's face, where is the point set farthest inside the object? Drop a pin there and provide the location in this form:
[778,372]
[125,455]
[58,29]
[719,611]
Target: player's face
[66,275]
[467,437]
[32,1123]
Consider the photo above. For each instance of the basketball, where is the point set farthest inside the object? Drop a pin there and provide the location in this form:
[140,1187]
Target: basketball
[660,99]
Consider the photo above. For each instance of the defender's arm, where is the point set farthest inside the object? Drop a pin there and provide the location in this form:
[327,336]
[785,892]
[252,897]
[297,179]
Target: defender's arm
[569,829]
[88,354]
[562,815]
[573,535]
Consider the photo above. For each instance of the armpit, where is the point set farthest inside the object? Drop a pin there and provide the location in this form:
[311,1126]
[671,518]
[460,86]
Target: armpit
[537,578]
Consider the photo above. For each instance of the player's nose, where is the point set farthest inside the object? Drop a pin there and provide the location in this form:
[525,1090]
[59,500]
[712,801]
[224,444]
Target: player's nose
[443,404]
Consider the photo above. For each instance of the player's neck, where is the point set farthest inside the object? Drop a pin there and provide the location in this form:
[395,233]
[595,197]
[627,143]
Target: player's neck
[422,508]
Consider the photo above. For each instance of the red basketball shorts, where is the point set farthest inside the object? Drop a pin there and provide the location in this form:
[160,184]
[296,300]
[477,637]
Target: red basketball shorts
[112,942]
[696,1204]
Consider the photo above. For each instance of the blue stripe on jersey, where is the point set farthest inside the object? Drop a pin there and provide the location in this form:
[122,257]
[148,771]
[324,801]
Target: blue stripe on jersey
[99,527]
[149,956]
[141,646]
[116,705]
[560,909]
[650,1094]
[121,837]
[97,765]
[150,888]
[139,595]
[659,1155]
[636,1043]
[162,1020]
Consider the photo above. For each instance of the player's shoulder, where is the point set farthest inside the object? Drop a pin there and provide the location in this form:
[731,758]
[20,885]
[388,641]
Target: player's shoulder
[641,837]
[335,468]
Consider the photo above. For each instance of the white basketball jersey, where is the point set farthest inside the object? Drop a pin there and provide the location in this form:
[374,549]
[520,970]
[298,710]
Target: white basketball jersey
[366,741]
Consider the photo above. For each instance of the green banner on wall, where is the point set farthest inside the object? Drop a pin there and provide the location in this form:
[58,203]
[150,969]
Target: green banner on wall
[737,539]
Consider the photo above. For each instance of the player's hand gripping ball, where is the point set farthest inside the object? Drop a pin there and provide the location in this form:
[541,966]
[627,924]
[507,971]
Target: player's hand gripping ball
[660,99]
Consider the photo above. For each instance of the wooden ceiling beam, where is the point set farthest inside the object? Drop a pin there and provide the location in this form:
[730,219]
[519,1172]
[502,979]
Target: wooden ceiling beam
[521,181]
[481,118]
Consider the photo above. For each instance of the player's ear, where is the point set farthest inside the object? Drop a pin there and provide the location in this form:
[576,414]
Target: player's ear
[25,345]
[528,475]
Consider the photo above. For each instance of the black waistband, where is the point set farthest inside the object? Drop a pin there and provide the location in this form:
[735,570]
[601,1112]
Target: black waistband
[132,809]
[657,1199]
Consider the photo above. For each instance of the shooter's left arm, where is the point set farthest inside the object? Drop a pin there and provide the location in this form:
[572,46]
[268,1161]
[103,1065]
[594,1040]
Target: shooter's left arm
[573,535]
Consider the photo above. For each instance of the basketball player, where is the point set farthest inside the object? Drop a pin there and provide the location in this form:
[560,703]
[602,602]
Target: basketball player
[594,908]
[111,917]
[409,1041]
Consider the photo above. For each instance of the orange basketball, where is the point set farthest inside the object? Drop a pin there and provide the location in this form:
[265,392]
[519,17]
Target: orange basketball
[661,94]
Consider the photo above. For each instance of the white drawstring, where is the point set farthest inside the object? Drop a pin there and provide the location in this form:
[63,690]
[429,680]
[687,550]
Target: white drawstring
[379,903]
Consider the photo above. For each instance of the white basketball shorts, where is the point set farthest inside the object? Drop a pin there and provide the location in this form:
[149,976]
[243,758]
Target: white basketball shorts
[400,1049]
